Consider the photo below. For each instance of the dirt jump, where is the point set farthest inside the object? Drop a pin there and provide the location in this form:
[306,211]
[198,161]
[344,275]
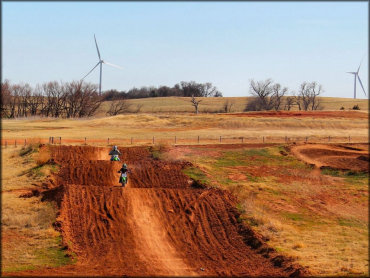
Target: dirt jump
[342,157]
[160,224]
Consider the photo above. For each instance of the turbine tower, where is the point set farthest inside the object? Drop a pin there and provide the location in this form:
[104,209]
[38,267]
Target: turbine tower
[357,77]
[100,63]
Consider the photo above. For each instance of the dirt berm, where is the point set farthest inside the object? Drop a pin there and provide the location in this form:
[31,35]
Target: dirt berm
[158,225]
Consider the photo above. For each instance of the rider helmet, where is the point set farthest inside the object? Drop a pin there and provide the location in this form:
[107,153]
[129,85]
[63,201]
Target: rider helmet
[124,166]
[115,148]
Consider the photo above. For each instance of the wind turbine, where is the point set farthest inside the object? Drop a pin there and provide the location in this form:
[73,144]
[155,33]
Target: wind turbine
[101,62]
[358,77]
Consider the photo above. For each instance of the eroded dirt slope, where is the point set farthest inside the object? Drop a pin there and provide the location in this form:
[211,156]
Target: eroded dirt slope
[158,225]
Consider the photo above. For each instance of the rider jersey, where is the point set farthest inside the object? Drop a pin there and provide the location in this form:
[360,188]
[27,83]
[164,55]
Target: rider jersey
[124,171]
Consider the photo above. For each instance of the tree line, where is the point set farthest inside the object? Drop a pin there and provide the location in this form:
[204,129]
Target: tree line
[52,99]
[79,99]
[182,89]
[267,95]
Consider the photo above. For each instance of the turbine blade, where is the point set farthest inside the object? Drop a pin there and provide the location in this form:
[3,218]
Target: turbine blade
[360,63]
[91,70]
[361,84]
[352,72]
[359,67]
[97,48]
[113,65]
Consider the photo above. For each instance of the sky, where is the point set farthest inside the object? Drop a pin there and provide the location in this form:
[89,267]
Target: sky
[164,43]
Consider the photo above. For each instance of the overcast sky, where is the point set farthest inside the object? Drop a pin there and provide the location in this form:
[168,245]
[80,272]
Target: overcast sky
[163,43]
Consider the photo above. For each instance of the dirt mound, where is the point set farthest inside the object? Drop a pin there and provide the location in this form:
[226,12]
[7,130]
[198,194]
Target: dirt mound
[158,225]
[333,156]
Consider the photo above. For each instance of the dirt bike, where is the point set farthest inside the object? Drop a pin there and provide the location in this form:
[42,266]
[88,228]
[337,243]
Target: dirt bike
[123,179]
[115,158]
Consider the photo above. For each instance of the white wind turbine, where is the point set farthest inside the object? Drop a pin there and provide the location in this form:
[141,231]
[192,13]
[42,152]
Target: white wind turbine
[101,61]
[357,77]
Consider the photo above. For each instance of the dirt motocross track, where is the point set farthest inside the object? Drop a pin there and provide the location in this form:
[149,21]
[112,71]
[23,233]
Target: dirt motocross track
[161,223]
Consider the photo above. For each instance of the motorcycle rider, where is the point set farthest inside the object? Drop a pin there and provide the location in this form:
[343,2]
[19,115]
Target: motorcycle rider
[114,154]
[124,171]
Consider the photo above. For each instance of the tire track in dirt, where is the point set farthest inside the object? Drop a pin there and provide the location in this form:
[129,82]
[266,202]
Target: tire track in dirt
[157,225]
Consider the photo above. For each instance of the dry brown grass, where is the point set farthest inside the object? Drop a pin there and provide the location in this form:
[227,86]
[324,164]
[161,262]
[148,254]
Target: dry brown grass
[216,105]
[43,157]
[185,126]
[28,239]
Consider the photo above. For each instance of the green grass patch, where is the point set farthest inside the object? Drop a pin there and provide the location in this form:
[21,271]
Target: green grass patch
[196,174]
[293,216]
[158,150]
[19,268]
[349,176]
[55,256]
[43,170]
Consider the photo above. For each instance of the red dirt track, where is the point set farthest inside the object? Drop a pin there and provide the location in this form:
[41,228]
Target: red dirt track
[159,224]
[342,157]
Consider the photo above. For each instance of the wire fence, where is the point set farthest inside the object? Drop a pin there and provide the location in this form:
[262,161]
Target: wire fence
[197,140]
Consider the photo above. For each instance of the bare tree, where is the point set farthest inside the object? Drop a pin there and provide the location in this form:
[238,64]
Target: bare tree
[55,98]
[35,101]
[289,101]
[118,106]
[316,90]
[277,94]
[208,90]
[307,96]
[5,98]
[90,100]
[261,92]
[195,103]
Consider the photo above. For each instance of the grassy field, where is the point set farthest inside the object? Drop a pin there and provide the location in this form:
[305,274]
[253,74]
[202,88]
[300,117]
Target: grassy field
[216,105]
[320,219]
[28,239]
[284,203]
[185,125]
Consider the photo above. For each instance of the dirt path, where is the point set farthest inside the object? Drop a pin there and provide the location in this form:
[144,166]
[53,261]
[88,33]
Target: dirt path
[159,225]
[154,245]
[335,156]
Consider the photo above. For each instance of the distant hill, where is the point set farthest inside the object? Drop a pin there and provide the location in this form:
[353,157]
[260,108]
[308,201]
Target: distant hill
[217,104]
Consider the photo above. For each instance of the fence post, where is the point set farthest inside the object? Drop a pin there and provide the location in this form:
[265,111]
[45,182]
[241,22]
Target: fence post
[85,140]
[108,140]
[175,139]
[329,138]
[25,142]
[15,143]
[153,140]
[60,140]
[242,139]
[198,139]
[220,139]
[349,138]
[131,140]
[286,139]
[6,144]
[263,139]
[306,139]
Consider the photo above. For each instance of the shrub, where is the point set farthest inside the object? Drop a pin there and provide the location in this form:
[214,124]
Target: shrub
[356,107]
